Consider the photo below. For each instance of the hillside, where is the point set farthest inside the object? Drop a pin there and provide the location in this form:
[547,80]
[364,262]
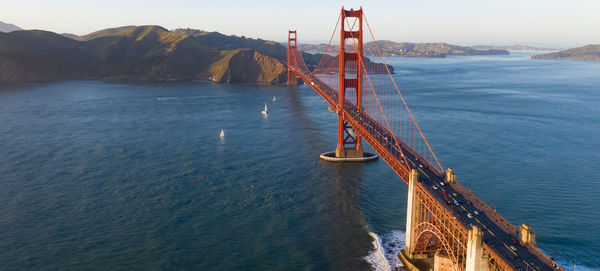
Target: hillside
[129,53]
[588,52]
[224,42]
[5,27]
[148,52]
[408,49]
[245,65]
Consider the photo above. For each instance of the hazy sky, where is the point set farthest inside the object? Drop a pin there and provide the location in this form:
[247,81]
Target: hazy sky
[466,22]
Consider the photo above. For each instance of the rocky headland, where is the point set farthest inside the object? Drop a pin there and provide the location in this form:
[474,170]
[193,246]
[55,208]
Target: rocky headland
[587,52]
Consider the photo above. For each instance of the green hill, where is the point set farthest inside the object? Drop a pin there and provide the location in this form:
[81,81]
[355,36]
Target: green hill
[132,53]
[588,52]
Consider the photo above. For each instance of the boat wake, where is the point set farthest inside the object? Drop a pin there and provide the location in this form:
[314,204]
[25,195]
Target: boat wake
[385,250]
[191,97]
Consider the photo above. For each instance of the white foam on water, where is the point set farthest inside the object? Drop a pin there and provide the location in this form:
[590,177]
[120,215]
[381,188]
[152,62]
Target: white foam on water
[568,266]
[386,247]
[384,257]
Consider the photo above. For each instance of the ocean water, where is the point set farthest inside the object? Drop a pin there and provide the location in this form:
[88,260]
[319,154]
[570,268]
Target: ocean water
[115,176]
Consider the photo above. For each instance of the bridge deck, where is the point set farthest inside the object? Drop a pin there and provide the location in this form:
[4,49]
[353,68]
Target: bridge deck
[499,235]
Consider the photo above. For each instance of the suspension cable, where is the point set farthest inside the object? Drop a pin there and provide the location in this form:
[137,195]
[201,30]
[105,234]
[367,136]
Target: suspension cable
[403,101]
[377,99]
[329,44]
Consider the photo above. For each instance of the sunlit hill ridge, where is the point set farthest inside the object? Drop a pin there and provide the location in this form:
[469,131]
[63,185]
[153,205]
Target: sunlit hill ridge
[139,53]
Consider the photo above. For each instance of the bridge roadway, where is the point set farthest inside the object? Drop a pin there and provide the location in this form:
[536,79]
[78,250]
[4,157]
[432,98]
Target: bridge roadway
[498,237]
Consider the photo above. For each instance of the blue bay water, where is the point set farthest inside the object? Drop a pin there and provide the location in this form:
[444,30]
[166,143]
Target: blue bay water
[103,176]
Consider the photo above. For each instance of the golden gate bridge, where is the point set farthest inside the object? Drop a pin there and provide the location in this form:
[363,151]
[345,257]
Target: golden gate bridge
[444,220]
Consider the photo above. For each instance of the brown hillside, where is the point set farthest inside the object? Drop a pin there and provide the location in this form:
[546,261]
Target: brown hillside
[128,53]
[247,66]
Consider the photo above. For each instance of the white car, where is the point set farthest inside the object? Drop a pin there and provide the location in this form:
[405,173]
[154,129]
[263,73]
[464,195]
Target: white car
[442,183]
[421,166]
[434,187]
[470,215]
[475,212]
[454,194]
[513,248]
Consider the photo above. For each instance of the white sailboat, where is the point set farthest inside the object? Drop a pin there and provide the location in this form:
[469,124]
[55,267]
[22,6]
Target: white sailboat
[222,135]
[266,111]
[274,99]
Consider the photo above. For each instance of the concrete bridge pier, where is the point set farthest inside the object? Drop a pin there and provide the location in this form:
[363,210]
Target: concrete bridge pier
[412,182]
[477,259]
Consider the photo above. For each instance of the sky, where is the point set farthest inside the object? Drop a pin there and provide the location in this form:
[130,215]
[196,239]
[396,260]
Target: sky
[550,23]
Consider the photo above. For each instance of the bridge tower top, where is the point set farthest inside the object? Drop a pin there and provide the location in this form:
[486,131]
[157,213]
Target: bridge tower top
[356,56]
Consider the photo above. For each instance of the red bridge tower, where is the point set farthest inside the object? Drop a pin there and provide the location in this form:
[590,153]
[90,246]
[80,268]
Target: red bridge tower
[349,143]
[292,60]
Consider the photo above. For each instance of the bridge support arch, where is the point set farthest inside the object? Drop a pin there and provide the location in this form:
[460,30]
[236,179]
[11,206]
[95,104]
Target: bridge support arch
[431,229]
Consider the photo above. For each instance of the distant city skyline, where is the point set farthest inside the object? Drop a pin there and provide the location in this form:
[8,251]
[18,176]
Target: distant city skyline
[549,23]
